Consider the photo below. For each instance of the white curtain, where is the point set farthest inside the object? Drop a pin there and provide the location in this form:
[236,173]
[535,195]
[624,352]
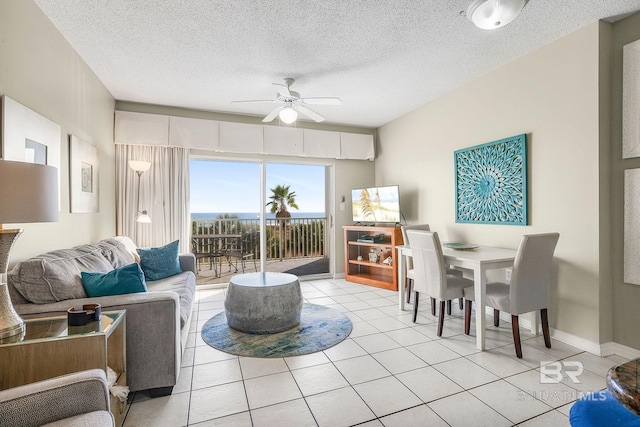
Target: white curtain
[164,193]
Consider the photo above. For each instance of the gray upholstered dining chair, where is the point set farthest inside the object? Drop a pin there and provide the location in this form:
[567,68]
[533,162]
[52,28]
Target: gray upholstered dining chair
[408,260]
[528,289]
[411,273]
[431,276]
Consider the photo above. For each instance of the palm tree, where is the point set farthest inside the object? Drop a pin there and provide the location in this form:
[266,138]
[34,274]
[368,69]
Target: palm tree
[280,199]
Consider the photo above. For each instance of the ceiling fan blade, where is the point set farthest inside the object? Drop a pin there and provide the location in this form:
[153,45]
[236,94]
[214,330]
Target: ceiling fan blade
[322,101]
[310,113]
[285,89]
[272,115]
[256,100]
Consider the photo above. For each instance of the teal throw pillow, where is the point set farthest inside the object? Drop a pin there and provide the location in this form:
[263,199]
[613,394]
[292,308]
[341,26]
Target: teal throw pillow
[162,262]
[124,280]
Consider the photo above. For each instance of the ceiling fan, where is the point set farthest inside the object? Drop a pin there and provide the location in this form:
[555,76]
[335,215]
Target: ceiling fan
[291,104]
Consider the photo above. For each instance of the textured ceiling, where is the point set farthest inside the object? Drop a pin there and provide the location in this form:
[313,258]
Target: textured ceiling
[383,58]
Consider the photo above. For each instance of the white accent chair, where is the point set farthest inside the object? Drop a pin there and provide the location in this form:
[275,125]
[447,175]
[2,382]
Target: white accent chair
[78,399]
[528,289]
[431,275]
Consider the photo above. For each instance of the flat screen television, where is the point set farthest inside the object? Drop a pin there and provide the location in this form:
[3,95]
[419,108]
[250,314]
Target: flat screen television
[376,204]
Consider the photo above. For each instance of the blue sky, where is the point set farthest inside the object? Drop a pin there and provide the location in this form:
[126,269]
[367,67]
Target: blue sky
[222,186]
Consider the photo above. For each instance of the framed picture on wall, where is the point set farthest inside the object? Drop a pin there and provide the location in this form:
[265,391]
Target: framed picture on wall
[491,182]
[28,136]
[631,100]
[83,176]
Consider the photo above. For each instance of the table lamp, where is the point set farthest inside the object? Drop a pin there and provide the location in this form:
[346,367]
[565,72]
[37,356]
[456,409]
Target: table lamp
[28,193]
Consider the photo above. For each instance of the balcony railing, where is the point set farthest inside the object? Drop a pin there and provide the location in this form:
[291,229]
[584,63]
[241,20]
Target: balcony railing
[287,238]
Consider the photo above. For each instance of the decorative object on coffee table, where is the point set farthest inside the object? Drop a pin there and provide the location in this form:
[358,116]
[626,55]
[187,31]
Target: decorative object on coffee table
[28,193]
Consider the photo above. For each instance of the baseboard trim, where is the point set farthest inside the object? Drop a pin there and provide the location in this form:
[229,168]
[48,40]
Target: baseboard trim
[610,348]
[602,350]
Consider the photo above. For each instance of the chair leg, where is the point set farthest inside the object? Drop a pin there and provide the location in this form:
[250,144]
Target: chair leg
[441,318]
[467,316]
[415,307]
[496,317]
[409,290]
[515,327]
[449,307]
[544,319]
[460,303]
[433,306]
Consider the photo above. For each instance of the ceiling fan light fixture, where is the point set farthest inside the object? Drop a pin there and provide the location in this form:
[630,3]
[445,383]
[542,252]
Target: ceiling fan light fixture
[288,115]
[492,14]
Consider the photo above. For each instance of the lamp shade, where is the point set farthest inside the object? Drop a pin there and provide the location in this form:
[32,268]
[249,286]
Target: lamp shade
[139,165]
[492,14]
[144,218]
[28,192]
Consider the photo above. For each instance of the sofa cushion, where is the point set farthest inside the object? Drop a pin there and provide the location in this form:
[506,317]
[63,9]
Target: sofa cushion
[119,251]
[160,263]
[184,284]
[56,275]
[124,280]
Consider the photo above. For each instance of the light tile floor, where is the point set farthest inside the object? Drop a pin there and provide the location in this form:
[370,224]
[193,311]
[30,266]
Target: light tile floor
[389,372]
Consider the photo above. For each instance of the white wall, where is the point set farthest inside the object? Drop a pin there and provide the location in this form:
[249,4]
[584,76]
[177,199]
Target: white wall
[552,95]
[39,69]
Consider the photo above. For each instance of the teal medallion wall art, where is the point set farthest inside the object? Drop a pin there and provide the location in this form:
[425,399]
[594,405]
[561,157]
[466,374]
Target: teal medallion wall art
[491,182]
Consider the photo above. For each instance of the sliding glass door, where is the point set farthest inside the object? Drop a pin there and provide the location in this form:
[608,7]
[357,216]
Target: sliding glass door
[296,218]
[259,216]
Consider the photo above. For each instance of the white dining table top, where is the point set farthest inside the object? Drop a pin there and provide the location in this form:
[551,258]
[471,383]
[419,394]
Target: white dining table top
[480,254]
[479,260]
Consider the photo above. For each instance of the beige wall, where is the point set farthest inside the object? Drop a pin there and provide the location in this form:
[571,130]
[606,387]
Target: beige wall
[626,297]
[552,95]
[40,70]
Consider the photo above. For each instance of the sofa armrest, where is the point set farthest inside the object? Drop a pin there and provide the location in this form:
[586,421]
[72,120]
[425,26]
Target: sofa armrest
[188,262]
[71,395]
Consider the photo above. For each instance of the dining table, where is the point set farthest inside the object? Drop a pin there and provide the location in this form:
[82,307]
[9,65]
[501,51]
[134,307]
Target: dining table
[478,259]
[623,382]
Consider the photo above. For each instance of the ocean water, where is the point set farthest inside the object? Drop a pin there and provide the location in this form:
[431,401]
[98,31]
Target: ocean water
[254,215]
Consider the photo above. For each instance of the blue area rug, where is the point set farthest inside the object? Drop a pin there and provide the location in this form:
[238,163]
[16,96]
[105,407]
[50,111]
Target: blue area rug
[320,328]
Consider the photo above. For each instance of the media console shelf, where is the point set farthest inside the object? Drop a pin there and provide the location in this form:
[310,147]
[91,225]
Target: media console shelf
[359,242]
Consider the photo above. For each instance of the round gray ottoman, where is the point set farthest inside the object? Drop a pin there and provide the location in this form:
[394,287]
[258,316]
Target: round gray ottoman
[263,303]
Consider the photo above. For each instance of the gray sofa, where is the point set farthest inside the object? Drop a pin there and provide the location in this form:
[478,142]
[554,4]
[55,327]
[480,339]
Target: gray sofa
[157,322]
